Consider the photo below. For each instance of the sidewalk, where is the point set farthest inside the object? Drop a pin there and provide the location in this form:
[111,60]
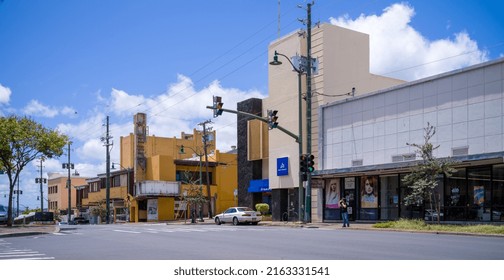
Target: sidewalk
[31,229]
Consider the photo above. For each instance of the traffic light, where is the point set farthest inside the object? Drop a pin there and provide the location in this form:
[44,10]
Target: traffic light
[302,167]
[217,104]
[310,163]
[272,119]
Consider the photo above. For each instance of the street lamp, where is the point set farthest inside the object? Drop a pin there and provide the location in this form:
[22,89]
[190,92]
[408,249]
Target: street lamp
[182,151]
[301,62]
[128,170]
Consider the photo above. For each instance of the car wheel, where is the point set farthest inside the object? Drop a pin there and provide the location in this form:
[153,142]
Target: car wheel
[235,221]
[255,223]
[217,221]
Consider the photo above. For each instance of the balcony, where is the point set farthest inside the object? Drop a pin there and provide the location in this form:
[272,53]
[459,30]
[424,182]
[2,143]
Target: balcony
[157,188]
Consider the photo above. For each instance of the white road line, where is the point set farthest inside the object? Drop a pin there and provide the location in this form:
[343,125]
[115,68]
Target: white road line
[126,231]
[21,255]
[42,258]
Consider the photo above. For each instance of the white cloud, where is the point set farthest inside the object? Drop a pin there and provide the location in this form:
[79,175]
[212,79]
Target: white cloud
[69,112]
[182,107]
[35,108]
[392,37]
[92,150]
[5,94]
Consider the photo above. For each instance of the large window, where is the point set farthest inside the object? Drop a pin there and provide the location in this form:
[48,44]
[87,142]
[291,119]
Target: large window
[479,193]
[389,198]
[193,177]
[456,196]
[410,211]
[498,193]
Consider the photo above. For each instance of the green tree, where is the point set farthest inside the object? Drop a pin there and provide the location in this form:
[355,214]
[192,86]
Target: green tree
[193,194]
[21,141]
[422,181]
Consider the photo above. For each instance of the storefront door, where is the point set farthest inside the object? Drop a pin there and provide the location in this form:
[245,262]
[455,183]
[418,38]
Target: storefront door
[349,194]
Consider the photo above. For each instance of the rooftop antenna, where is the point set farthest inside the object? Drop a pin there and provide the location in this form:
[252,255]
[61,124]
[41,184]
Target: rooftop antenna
[278,30]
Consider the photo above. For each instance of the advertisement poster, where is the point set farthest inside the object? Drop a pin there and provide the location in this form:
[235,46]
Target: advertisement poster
[369,192]
[479,195]
[368,198]
[152,206]
[333,194]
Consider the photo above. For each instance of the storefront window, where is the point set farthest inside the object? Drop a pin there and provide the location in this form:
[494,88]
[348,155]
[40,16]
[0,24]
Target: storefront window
[389,198]
[478,194]
[431,203]
[349,194]
[498,193]
[410,211]
[456,196]
[368,198]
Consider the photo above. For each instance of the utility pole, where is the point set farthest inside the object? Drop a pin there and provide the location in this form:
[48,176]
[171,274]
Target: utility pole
[69,166]
[205,145]
[106,139]
[308,111]
[17,197]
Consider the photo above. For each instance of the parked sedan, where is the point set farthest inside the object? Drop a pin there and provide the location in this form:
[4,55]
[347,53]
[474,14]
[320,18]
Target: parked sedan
[238,215]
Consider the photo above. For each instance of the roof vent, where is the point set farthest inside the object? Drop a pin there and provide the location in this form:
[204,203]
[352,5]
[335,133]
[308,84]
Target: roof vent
[460,151]
[357,162]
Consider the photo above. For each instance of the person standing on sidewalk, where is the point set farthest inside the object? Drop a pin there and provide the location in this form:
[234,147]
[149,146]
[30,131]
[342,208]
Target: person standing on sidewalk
[344,212]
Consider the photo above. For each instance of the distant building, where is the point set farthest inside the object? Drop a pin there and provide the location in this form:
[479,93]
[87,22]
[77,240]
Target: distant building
[57,193]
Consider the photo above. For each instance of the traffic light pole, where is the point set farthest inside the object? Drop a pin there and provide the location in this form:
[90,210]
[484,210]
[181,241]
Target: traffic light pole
[258,118]
[308,112]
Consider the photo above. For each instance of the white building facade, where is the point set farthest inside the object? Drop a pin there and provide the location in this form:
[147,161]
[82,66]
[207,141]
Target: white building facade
[363,145]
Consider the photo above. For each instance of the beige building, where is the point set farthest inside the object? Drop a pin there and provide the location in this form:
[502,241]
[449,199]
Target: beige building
[343,72]
[57,192]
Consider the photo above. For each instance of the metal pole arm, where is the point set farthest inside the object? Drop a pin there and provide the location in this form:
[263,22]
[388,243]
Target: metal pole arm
[258,118]
[289,60]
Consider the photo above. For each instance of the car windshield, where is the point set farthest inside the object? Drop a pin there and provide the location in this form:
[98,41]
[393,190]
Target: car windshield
[2,209]
[243,209]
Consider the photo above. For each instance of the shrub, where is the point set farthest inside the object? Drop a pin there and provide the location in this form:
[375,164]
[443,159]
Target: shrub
[262,207]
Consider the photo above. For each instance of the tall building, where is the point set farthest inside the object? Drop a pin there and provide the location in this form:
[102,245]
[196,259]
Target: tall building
[343,72]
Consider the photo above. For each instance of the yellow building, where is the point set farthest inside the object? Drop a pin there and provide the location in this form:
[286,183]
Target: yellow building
[162,177]
[57,193]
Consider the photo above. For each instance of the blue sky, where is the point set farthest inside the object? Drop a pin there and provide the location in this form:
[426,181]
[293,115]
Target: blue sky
[69,64]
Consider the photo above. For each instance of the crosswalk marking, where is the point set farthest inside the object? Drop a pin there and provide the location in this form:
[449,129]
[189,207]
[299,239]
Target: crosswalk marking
[8,253]
[157,229]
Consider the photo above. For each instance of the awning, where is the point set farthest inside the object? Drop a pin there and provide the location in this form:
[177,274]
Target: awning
[259,186]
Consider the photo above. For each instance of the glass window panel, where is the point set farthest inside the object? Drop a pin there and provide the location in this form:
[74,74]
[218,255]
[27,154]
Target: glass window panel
[498,193]
[478,194]
[456,196]
[389,197]
[411,211]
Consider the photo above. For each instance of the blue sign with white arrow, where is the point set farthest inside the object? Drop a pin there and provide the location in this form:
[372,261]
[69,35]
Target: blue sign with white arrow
[282,166]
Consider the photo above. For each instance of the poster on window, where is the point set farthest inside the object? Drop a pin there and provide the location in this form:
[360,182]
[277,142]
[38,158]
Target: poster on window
[369,192]
[333,194]
[479,195]
[152,209]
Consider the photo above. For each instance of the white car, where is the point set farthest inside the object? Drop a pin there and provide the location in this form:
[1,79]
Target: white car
[3,214]
[238,215]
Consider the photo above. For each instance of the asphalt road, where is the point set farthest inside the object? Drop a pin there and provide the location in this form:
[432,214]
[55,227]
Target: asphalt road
[228,242]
